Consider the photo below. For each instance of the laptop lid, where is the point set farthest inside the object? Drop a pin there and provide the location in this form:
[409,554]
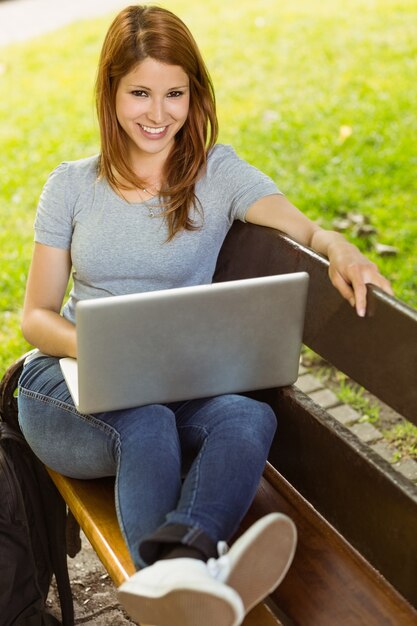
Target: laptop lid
[188,342]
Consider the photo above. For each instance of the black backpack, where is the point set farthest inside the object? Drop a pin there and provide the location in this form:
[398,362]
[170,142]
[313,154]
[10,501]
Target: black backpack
[32,537]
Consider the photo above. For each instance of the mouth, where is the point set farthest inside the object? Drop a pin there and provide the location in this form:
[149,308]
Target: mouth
[153,132]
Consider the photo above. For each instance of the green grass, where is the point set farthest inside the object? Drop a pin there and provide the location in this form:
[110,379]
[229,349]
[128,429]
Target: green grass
[353,394]
[288,75]
[346,390]
[404,437]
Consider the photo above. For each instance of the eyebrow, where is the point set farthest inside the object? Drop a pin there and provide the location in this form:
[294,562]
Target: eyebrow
[149,89]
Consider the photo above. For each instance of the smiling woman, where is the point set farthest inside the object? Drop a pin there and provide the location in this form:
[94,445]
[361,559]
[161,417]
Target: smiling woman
[150,212]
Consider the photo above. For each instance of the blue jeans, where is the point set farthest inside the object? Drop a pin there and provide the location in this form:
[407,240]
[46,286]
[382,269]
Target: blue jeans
[196,463]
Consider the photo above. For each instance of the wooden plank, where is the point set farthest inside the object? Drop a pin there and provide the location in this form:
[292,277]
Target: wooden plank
[379,351]
[329,582]
[92,504]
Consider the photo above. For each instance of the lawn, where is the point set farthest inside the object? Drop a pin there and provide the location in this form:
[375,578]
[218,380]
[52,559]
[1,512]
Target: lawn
[320,95]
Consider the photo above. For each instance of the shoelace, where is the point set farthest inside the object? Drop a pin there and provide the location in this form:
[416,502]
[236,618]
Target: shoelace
[220,568]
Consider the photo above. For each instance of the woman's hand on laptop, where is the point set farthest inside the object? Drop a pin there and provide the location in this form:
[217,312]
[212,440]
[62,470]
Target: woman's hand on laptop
[350,271]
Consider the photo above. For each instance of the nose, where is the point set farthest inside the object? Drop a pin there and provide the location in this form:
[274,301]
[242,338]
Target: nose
[156,111]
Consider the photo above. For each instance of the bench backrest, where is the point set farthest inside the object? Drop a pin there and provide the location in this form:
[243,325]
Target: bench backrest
[379,352]
[370,503]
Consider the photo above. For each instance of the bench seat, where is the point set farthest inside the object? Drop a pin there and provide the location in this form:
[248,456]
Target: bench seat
[92,504]
[329,583]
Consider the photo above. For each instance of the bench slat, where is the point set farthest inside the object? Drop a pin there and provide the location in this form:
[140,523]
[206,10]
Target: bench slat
[329,582]
[379,351]
[92,504]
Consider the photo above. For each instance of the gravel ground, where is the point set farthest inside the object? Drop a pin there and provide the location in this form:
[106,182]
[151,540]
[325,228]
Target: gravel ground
[94,594]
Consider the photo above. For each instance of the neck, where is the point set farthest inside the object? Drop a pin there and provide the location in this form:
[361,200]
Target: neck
[148,167]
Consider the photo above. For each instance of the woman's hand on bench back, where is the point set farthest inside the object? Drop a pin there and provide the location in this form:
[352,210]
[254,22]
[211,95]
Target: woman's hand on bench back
[350,271]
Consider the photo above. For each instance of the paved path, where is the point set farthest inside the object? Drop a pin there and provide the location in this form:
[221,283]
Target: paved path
[363,429]
[23,19]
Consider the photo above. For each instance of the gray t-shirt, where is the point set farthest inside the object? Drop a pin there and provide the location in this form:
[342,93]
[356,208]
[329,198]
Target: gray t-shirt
[119,247]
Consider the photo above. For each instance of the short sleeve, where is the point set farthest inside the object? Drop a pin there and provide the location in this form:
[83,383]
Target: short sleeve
[53,221]
[242,184]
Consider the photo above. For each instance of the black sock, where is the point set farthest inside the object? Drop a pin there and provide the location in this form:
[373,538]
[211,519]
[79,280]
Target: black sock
[180,551]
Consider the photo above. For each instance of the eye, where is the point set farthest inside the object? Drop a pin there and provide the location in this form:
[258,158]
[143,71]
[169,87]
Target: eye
[175,94]
[139,93]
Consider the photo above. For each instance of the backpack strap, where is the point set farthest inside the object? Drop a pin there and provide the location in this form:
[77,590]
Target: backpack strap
[55,512]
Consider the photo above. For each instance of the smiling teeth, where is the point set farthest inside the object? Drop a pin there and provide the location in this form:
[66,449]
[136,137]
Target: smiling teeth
[153,131]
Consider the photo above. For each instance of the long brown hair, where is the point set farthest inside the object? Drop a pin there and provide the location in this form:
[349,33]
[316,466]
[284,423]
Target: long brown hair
[139,32]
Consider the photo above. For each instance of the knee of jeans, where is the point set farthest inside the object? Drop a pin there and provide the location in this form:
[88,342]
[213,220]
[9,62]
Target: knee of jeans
[152,425]
[261,421]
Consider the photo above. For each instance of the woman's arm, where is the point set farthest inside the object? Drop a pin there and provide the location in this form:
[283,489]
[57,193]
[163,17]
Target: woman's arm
[42,324]
[349,269]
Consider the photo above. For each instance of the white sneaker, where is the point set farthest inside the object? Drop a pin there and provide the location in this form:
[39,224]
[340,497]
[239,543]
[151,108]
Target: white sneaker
[258,561]
[180,592]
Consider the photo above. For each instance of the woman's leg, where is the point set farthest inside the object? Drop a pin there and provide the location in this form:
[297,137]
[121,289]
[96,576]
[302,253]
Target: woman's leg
[148,478]
[139,446]
[231,435]
[225,442]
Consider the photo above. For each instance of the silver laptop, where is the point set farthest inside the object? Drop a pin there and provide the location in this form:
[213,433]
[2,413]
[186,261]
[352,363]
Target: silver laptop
[186,343]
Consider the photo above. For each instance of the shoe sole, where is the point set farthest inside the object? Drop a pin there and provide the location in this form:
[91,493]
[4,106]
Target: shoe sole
[181,607]
[261,557]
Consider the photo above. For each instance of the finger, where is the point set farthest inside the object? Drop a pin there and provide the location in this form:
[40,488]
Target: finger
[358,281]
[342,286]
[383,284]
[360,298]
[371,275]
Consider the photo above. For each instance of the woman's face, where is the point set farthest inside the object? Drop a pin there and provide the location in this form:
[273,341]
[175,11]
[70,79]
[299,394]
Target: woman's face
[152,104]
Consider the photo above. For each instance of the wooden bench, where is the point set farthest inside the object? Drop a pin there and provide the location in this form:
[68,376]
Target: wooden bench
[356,561]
